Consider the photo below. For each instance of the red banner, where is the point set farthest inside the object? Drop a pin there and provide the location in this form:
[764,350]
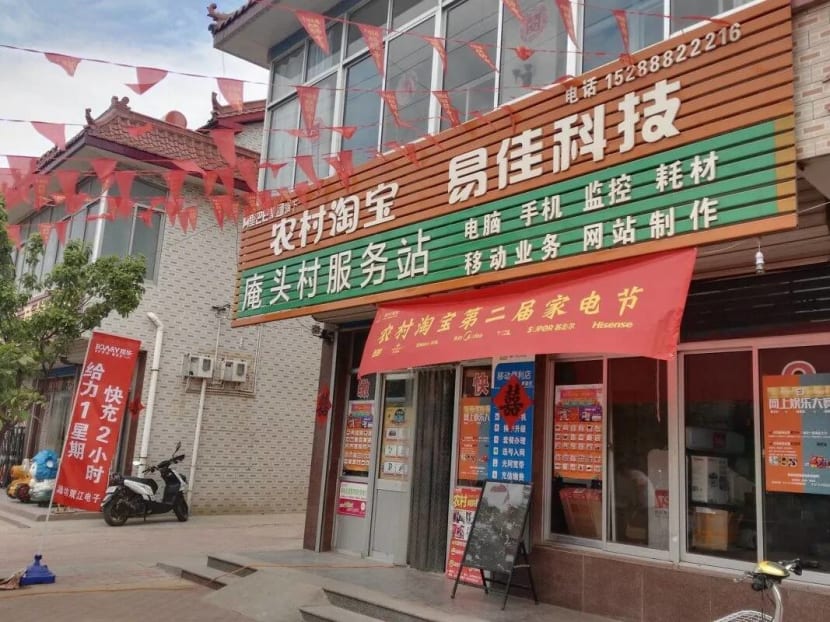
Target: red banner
[92,438]
[373,36]
[308,96]
[622,24]
[566,12]
[633,306]
[315,26]
[481,51]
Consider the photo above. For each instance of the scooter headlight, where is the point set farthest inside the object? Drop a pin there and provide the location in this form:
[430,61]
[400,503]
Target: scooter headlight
[116,479]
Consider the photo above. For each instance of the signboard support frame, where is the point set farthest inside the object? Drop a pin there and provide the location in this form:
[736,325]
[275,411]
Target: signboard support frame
[520,556]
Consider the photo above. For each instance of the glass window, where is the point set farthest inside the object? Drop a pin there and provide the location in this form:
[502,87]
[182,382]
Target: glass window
[576,500]
[404,11]
[720,454]
[697,8]
[116,238]
[362,109]
[318,60]
[795,387]
[78,225]
[398,429]
[543,30]
[281,145]
[146,240]
[360,422]
[639,454]
[474,426]
[409,74]
[374,14]
[468,79]
[89,234]
[602,42]
[42,217]
[50,251]
[288,72]
[318,146]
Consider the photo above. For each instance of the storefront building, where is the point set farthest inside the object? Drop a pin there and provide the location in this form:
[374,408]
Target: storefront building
[600,270]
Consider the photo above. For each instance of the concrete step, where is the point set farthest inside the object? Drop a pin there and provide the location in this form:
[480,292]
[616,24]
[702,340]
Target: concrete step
[200,573]
[239,566]
[378,606]
[330,613]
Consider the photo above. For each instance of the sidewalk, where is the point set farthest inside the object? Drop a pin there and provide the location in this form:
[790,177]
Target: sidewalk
[14,509]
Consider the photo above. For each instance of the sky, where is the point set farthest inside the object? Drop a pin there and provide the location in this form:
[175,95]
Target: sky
[168,34]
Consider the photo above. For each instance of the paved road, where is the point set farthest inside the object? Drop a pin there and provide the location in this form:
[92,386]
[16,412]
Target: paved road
[110,573]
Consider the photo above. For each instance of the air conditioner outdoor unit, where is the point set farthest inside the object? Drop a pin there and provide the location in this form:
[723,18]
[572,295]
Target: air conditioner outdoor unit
[197,366]
[235,370]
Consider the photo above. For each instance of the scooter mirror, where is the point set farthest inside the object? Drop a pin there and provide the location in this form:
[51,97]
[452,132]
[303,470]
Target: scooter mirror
[178,447]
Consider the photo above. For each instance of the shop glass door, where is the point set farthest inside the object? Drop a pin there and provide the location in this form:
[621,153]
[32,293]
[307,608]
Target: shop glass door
[390,521]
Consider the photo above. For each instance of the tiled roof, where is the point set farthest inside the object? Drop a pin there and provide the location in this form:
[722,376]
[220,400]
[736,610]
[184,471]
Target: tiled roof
[164,141]
[228,116]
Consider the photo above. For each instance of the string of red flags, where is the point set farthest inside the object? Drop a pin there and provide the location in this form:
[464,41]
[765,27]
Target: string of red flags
[68,63]
[438,44]
[53,132]
[373,36]
[146,78]
[233,91]
[566,13]
[308,96]
[622,26]
[445,102]
[391,100]
[225,144]
[480,50]
[315,26]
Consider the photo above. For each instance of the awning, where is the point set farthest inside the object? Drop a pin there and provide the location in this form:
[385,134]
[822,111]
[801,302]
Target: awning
[633,307]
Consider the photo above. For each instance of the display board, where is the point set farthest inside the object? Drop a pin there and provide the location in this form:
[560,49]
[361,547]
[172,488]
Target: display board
[577,432]
[498,527]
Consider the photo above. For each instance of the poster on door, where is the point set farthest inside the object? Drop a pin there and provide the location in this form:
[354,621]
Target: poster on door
[464,504]
[797,433]
[357,441]
[395,449]
[352,498]
[577,431]
[511,421]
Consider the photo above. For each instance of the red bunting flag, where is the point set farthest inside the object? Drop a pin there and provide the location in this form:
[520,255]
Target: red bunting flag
[249,171]
[136,131]
[315,26]
[308,96]
[172,207]
[439,46]
[481,51]
[175,182]
[412,154]
[233,91]
[273,167]
[306,164]
[228,178]
[187,219]
[68,181]
[124,180]
[513,7]
[188,165]
[45,230]
[347,131]
[391,99]
[224,207]
[13,231]
[209,178]
[60,228]
[104,168]
[53,132]
[146,216]
[147,78]
[523,52]
[302,190]
[224,141]
[566,12]
[120,207]
[108,215]
[40,186]
[622,24]
[67,63]
[443,98]
[75,202]
[21,166]
[373,36]
[342,163]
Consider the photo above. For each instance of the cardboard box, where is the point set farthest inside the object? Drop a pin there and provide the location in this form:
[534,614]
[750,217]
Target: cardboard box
[714,530]
[710,479]
[583,511]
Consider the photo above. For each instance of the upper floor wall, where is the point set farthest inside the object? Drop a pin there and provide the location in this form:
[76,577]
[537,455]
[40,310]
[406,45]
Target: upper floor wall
[811,41]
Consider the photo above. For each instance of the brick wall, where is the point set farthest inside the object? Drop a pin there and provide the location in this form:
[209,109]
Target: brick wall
[254,453]
[251,137]
[811,38]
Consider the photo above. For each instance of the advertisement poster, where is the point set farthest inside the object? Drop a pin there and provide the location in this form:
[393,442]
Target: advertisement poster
[797,433]
[395,452]
[577,431]
[474,425]
[511,421]
[100,402]
[357,444]
[351,501]
[464,503]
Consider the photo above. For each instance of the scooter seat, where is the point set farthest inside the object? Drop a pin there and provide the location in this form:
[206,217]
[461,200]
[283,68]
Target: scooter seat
[153,484]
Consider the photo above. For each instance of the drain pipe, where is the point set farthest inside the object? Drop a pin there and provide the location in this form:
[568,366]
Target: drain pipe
[151,392]
[197,433]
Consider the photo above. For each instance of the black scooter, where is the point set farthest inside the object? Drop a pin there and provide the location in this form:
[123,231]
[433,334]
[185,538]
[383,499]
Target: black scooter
[135,496]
